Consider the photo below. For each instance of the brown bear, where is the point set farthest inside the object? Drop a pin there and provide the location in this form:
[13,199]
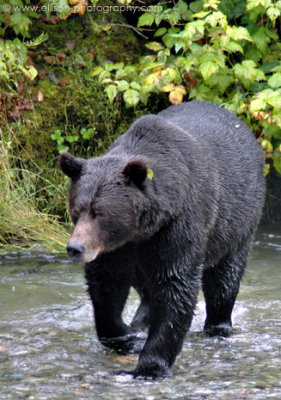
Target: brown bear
[173,205]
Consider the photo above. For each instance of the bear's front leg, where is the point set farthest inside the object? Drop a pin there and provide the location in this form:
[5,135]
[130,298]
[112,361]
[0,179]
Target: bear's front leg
[172,306]
[109,279]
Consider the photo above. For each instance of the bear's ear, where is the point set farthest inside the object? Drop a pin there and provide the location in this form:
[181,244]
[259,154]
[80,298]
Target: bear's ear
[70,165]
[136,172]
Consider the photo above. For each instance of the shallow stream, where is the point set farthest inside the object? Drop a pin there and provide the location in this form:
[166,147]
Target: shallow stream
[49,349]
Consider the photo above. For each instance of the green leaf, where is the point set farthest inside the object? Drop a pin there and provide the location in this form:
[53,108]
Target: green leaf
[131,97]
[160,32]
[271,33]
[158,18]
[182,6]
[255,3]
[96,71]
[111,67]
[275,101]
[103,75]
[87,133]
[208,68]
[273,13]
[270,66]
[196,6]
[179,45]
[247,72]
[253,54]
[162,56]
[59,6]
[277,118]
[155,46]
[111,91]
[203,14]
[276,68]
[169,40]
[223,82]
[266,144]
[217,18]
[169,74]
[20,23]
[56,135]
[72,139]
[257,105]
[275,80]
[194,30]
[261,39]
[146,19]
[120,73]
[106,80]
[62,149]
[277,162]
[233,47]
[150,174]
[38,40]
[238,33]
[3,71]
[122,85]
[135,85]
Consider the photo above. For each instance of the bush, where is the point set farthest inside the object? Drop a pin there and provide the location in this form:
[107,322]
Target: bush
[227,52]
[48,102]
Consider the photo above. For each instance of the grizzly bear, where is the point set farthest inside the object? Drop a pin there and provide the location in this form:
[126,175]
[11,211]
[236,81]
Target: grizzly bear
[174,204]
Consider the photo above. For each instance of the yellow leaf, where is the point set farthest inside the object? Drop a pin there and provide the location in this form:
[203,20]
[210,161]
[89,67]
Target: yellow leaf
[153,79]
[180,89]
[266,169]
[168,87]
[31,72]
[169,73]
[175,97]
[150,174]
[157,69]
[80,6]
[40,96]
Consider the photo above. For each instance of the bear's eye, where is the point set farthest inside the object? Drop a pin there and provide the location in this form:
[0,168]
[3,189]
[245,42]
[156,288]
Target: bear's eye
[75,216]
[93,213]
[74,219]
[96,213]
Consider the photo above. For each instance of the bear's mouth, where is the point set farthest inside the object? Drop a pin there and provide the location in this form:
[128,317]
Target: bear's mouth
[91,255]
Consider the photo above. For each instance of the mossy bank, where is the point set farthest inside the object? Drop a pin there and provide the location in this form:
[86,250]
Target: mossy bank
[65,99]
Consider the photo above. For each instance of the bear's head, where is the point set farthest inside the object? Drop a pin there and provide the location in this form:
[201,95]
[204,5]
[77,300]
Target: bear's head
[107,203]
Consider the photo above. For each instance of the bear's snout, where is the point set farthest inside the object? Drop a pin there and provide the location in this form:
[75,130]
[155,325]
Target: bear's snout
[75,250]
[85,244]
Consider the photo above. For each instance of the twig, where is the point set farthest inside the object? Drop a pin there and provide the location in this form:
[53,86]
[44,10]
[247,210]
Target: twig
[130,27]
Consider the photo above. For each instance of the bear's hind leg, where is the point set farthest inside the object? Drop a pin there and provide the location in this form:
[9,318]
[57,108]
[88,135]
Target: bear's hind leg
[221,286]
[141,319]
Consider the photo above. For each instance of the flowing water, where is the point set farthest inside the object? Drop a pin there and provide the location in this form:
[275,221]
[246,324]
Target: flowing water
[49,349]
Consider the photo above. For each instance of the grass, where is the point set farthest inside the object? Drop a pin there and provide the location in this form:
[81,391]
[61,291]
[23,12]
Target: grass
[22,224]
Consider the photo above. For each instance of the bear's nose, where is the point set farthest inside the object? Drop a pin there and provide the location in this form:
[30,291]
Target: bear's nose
[75,250]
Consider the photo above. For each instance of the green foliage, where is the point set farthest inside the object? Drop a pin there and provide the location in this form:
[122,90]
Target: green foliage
[63,100]
[13,59]
[227,52]
[18,16]
[73,143]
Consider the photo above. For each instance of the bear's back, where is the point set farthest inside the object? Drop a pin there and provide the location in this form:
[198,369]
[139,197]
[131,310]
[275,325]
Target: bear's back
[221,134]
[205,121]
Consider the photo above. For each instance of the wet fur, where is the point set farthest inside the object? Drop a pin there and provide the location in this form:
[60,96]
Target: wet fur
[191,225]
